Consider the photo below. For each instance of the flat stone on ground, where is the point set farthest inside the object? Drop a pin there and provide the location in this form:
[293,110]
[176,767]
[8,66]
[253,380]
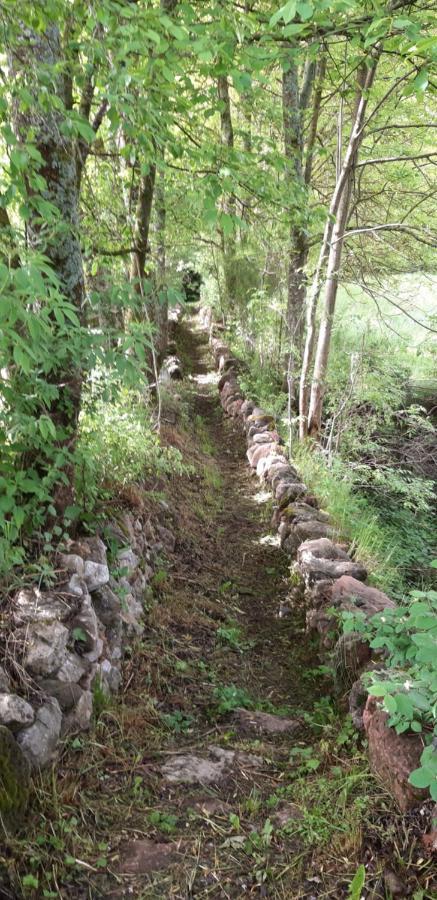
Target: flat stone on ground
[190,769]
[263,723]
[144,856]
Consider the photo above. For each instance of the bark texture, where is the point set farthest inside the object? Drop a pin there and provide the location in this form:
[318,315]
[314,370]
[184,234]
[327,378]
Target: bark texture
[338,209]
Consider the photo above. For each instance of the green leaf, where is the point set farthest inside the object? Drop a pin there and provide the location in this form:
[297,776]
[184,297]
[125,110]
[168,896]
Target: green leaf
[22,360]
[421,778]
[357,883]
[420,82]
[287,13]
[305,10]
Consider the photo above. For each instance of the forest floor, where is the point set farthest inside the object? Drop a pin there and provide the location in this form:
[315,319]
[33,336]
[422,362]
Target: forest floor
[293,815]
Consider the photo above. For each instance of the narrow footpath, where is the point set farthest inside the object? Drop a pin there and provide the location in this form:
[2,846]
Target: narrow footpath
[225,769]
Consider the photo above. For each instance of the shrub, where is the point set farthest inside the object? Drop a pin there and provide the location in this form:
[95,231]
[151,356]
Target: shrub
[117,446]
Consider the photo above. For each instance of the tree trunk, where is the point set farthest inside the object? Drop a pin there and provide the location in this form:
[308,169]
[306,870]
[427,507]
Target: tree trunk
[293,145]
[60,243]
[294,103]
[227,140]
[338,208]
[142,227]
[161,315]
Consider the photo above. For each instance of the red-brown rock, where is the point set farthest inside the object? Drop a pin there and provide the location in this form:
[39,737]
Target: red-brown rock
[350,594]
[393,756]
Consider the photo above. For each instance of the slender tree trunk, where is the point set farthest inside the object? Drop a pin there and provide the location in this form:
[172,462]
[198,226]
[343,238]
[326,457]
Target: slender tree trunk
[142,226]
[161,315]
[293,145]
[294,103]
[227,140]
[338,209]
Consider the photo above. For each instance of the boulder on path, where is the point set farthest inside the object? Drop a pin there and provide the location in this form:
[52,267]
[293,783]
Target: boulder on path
[393,756]
[39,742]
[190,769]
[144,856]
[265,437]
[258,722]
[296,513]
[14,780]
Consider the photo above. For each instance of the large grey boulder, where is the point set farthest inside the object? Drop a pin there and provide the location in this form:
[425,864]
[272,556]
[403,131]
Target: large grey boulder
[46,648]
[15,712]
[33,605]
[95,574]
[287,491]
[39,742]
[73,668]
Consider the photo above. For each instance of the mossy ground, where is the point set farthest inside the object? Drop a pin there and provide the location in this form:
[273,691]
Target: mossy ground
[214,641]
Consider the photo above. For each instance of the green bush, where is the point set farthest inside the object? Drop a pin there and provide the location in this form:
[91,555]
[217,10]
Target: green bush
[117,446]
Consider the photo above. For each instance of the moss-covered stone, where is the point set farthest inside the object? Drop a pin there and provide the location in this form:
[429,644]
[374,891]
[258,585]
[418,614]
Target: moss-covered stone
[14,781]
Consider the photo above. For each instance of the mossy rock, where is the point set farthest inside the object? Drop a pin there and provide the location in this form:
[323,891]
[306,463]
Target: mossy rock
[14,781]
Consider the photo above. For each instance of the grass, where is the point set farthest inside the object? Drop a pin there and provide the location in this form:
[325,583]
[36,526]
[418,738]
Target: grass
[355,520]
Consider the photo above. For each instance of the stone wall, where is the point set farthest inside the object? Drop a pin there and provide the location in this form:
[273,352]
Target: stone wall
[326,577]
[65,643]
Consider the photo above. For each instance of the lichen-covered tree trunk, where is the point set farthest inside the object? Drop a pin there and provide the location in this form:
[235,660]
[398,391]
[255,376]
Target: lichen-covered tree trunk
[59,242]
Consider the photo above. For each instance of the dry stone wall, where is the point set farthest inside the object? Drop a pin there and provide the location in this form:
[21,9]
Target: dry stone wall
[327,575]
[66,642]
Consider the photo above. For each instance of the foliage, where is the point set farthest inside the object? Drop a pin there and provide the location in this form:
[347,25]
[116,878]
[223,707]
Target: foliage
[228,697]
[407,637]
[118,446]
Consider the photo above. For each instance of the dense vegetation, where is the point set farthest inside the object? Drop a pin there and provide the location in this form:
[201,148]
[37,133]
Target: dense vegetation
[139,137]
[282,154]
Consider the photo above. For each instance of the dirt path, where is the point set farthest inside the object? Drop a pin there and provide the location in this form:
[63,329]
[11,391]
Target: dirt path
[284,816]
